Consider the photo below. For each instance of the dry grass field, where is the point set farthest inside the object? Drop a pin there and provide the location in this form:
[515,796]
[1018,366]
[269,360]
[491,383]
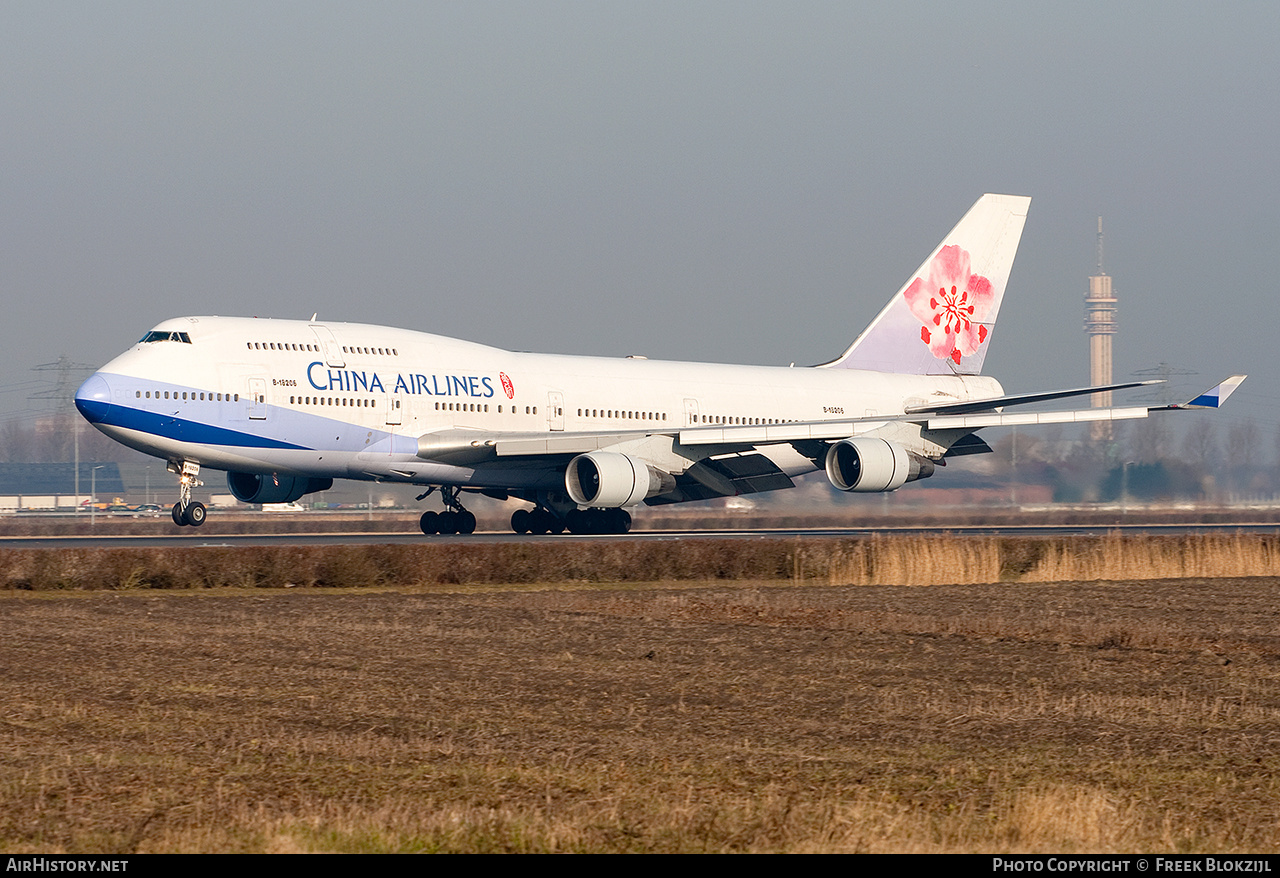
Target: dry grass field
[783,715]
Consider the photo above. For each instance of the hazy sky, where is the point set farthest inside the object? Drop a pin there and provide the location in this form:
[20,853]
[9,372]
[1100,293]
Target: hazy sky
[720,181]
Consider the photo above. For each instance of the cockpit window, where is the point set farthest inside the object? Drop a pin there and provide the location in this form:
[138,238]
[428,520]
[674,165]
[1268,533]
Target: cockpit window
[155,335]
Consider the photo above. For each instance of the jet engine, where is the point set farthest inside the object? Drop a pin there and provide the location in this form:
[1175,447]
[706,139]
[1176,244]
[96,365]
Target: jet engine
[612,479]
[867,464]
[257,488]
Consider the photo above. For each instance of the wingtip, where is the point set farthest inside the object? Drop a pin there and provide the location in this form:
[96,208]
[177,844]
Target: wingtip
[1216,396]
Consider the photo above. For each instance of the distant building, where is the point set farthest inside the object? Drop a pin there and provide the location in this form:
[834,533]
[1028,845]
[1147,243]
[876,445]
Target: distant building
[53,485]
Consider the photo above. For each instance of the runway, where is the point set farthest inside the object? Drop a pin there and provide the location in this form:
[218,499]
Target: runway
[187,538]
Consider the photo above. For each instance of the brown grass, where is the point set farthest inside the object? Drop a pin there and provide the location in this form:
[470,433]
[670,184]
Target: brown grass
[1186,557]
[1078,716]
[881,560]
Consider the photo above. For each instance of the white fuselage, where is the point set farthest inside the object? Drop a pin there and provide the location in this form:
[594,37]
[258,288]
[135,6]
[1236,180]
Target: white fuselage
[344,400]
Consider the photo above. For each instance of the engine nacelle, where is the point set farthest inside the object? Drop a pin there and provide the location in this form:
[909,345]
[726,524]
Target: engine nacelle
[612,479]
[257,488]
[867,464]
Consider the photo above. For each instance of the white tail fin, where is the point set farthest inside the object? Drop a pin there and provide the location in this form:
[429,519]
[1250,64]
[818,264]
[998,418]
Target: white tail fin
[940,322]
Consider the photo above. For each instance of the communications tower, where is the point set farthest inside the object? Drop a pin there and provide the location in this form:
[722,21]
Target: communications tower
[1100,324]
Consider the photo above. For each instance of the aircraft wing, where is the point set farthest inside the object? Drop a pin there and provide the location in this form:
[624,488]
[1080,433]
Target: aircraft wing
[1017,419]
[831,430]
[995,402]
[1212,398]
[955,416]
[463,446]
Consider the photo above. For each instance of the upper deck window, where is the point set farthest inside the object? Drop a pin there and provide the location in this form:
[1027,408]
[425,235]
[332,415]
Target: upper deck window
[156,335]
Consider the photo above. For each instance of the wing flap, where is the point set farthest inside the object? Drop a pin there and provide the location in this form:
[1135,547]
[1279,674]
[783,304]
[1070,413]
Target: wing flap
[1002,419]
[773,434]
[752,473]
[562,443]
[727,476]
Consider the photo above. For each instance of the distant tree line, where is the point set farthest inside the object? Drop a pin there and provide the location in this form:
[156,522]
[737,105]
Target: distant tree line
[52,439]
[1147,461]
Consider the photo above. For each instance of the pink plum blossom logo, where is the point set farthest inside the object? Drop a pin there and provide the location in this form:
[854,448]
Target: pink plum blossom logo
[951,304]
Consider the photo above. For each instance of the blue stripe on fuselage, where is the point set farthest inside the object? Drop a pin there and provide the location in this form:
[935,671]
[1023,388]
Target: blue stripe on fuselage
[108,399]
[171,427]
[92,401]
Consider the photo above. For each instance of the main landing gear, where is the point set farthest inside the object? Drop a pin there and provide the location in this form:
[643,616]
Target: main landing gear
[184,511]
[552,514]
[454,520]
[577,521]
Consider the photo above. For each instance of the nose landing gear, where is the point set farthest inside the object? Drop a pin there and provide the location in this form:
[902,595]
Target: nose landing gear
[186,512]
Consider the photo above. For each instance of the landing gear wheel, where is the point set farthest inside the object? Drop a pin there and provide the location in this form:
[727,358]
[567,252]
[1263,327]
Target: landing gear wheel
[599,521]
[466,522]
[538,523]
[195,514]
[184,511]
[521,521]
[429,522]
[448,522]
[544,521]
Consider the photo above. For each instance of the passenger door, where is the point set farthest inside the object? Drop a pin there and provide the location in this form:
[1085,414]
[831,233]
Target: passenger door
[555,410]
[258,399]
[690,412]
[332,350]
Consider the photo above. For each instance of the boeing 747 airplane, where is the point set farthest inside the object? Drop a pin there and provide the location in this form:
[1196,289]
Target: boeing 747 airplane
[287,406]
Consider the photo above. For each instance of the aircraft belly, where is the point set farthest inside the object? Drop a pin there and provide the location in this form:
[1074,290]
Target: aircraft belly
[414,470]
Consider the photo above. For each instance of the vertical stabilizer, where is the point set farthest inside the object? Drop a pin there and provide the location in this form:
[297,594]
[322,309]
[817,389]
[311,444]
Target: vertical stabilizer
[940,322]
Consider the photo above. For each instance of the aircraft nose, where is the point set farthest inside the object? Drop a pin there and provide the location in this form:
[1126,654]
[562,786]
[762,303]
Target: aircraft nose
[94,399]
